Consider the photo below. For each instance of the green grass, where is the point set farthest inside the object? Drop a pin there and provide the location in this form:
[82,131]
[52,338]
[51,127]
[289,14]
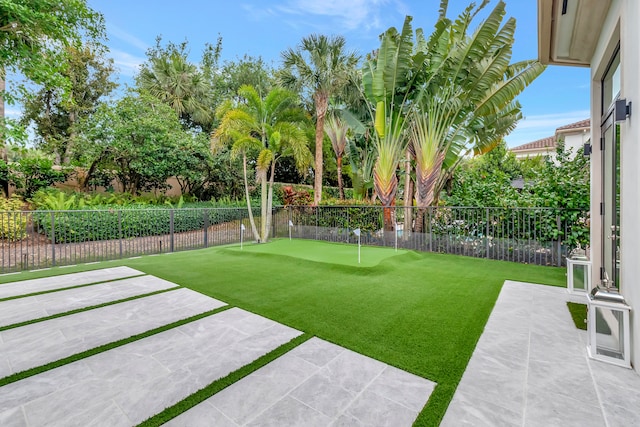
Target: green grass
[331,253]
[578,314]
[420,312]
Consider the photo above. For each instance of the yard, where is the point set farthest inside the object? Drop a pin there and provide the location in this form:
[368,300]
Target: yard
[420,312]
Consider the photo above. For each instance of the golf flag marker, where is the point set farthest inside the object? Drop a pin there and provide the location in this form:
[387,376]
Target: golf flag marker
[357,233]
[242,228]
[290,226]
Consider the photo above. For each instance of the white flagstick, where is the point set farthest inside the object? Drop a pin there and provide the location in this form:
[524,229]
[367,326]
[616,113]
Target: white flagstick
[290,225]
[357,233]
[241,234]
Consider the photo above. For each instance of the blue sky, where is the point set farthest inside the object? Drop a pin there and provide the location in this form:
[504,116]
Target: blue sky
[267,27]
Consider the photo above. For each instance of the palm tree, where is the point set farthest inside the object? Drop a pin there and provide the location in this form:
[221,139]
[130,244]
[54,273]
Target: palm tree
[271,127]
[336,130]
[321,65]
[179,83]
[468,101]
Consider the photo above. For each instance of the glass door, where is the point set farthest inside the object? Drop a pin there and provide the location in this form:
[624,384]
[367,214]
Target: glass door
[611,202]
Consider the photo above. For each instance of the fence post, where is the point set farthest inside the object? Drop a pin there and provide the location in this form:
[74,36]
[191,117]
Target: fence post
[430,229]
[206,228]
[558,245]
[486,235]
[120,231]
[53,239]
[171,230]
[317,213]
[273,222]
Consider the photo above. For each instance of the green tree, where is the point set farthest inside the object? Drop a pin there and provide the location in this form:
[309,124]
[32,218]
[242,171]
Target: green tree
[321,65]
[186,87]
[272,127]
[33,34]
[139,137]
[336,130]
[248,70]
[55,114]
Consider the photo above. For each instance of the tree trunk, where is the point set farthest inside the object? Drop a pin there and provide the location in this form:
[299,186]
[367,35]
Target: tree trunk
[66,158]
[256,236]
[321,102]
[3,148]
[389,217]
[263,206]
[408,199]
[270,200]
[340,183]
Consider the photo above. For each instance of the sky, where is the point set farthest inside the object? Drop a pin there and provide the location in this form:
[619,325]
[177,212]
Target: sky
[265,28]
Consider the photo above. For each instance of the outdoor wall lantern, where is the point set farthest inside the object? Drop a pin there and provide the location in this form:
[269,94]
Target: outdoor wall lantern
[609,338]
[578,275]
[623,110]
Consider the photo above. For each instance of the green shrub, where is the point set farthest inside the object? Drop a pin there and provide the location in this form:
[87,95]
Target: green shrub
[13,224]
[129,222]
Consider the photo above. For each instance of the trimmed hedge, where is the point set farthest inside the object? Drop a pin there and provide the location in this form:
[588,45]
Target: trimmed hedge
[129,222]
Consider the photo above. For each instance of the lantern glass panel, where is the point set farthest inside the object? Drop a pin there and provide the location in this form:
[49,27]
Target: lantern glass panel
[609,332]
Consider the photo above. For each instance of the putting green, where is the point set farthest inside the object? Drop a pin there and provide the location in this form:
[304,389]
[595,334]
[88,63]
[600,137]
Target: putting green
[326,252]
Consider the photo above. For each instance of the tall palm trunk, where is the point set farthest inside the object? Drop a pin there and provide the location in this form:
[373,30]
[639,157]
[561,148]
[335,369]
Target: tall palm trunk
[254,230]
[408,198]
[263,207]
[3,148]
[322,103]
[340,183]
[270,200]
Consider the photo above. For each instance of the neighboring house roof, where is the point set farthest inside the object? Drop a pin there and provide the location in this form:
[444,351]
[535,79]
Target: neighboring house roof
[582,124]
[548,142]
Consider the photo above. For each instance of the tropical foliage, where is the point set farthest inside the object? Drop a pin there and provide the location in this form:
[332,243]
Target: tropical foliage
[321,66]
[268,128]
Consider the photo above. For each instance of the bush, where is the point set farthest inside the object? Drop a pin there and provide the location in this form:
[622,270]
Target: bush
[129,222]
[13,224]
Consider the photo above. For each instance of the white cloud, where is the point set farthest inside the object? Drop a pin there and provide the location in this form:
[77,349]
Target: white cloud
[553,120]
[342,15]
[128,64]
[126,37]
[12,113]
[535,127]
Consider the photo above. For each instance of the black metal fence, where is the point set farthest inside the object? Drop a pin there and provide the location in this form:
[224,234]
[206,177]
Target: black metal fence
[541,236]
[40,239]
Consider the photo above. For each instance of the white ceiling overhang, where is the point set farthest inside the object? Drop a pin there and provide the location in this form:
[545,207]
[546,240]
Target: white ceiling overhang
[568,30]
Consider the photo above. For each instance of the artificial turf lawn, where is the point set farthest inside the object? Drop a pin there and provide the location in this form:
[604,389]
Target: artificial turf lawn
[331,253]
[578,314]
[421,312]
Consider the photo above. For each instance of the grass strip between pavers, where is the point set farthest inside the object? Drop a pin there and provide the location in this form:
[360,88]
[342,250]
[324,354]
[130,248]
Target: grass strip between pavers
[222,383]
[100,349]
[49,291]
[80,310]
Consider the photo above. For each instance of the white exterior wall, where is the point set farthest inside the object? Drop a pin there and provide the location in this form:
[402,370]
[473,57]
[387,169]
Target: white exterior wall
[621,24]
[630,179]
[575,140]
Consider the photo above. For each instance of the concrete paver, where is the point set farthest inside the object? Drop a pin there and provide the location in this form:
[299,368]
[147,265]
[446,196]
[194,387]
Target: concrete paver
[530,368]
[317,383]
[40,343]
[25,287]
[126,385]
[37,306]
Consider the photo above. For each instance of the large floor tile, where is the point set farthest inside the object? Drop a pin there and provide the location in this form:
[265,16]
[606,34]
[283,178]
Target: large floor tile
[40,343]
[65,281]
[34,307]
[319,383]
[128,384]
